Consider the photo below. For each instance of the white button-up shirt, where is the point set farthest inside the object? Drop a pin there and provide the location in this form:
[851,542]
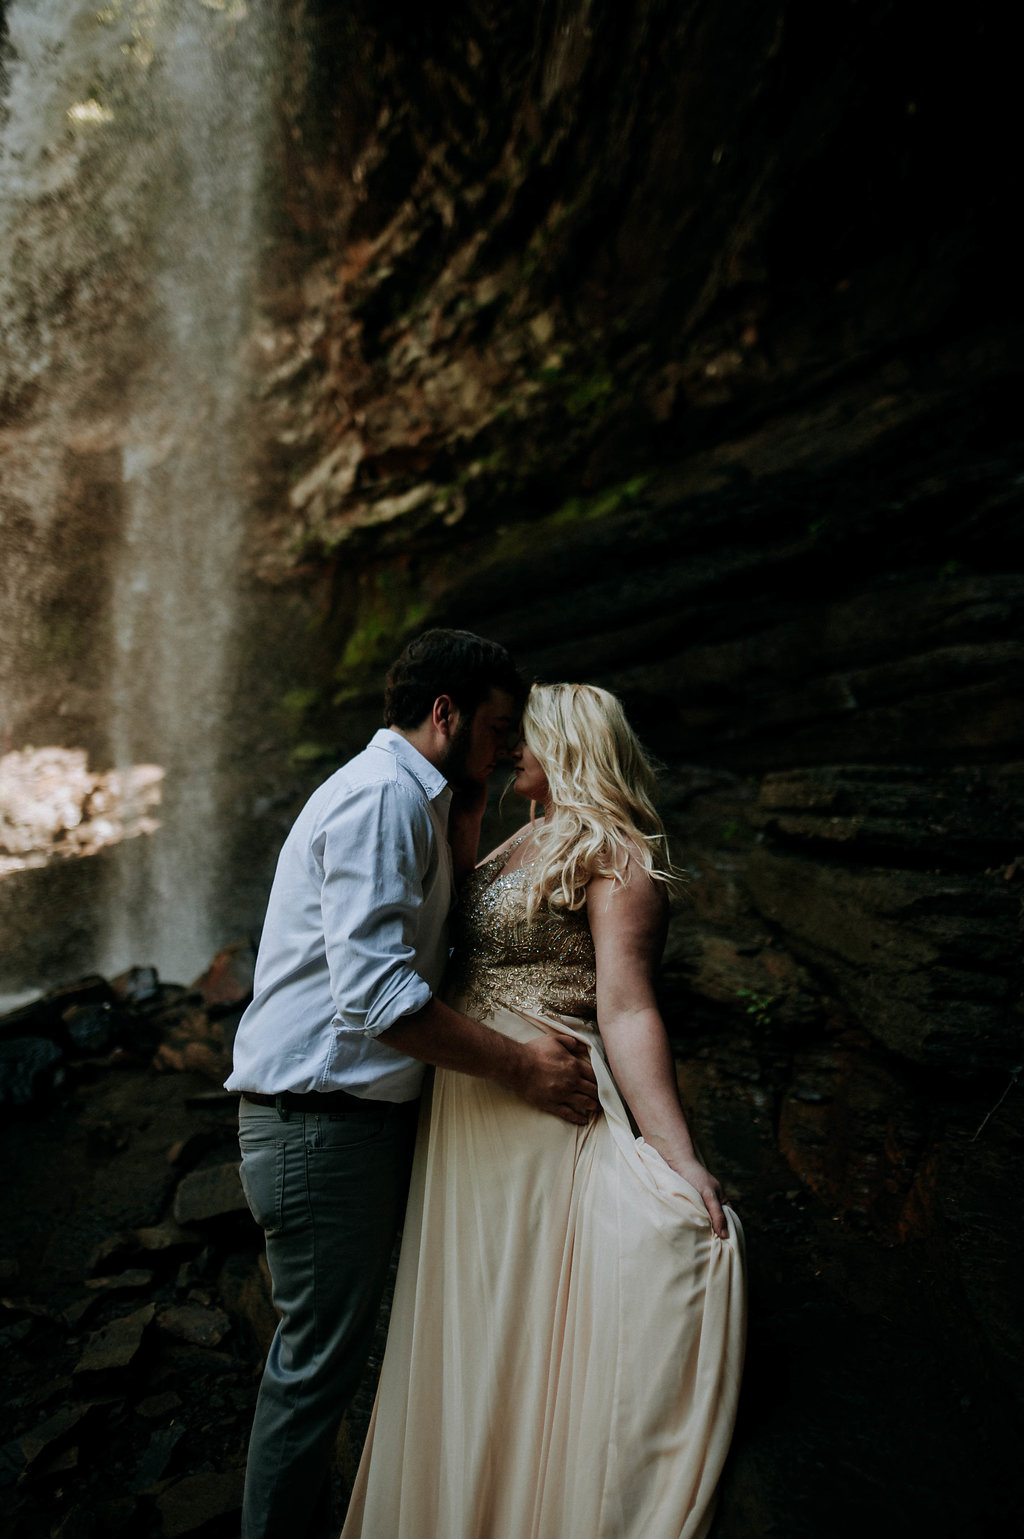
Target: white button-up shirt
[356,932]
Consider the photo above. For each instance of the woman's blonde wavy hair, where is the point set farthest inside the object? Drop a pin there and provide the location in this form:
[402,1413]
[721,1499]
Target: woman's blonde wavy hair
[601,786]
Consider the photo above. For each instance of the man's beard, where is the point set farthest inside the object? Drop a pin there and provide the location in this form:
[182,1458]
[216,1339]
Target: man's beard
[455,762]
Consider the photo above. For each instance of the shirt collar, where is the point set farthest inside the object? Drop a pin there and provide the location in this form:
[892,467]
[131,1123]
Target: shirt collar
[429,777]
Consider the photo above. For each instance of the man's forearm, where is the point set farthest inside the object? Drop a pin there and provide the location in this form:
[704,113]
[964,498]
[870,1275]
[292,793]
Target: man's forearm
[439,1035]
[553,1073]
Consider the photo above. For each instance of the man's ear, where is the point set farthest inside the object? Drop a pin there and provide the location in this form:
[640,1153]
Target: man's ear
[444,715]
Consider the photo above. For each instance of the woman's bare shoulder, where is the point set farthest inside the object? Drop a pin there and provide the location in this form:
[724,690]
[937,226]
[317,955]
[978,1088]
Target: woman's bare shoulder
[632,894]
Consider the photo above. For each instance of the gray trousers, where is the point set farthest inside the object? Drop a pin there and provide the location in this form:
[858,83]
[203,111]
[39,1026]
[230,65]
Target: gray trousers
[329,1191]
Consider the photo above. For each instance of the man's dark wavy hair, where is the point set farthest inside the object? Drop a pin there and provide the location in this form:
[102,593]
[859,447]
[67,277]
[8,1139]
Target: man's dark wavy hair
[445,662]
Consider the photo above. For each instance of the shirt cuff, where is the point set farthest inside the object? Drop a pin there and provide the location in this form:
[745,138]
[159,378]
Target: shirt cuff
[410,994]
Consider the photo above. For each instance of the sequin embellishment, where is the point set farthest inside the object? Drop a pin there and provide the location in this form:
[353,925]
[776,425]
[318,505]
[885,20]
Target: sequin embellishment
[545,965]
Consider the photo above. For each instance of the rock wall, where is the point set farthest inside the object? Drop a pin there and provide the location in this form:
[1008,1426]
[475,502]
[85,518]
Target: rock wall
[676,346]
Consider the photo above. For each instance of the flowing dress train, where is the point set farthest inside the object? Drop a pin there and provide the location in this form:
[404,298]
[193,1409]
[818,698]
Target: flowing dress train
[567,1333]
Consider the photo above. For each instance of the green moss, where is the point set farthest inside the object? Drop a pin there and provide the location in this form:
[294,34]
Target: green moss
[372,639]
[297,702]
[392,604]
[356,694]
[518,539]
[587,510]
[392,601]
[312,753]
[588,395]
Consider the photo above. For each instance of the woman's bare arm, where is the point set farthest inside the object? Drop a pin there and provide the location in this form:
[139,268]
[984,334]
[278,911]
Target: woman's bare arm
[628,924]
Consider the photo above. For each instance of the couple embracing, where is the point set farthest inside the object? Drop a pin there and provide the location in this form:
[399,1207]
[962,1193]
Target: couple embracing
[566,1337]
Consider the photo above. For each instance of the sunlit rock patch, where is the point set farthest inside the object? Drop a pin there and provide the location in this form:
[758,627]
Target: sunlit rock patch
[53,806]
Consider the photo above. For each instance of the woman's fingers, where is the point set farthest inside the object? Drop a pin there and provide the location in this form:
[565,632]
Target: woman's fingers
[712,1196]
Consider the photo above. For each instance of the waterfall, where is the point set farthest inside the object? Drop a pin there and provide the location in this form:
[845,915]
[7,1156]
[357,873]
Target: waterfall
[185,475]
[149,124]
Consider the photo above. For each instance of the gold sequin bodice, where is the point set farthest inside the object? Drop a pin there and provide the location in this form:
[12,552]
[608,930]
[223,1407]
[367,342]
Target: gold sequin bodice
[544,965]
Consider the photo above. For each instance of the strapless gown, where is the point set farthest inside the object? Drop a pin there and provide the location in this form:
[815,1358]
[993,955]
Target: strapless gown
[567,1333]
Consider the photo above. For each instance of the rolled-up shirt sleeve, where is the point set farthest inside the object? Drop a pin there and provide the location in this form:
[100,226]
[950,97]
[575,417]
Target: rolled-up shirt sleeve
[374,849]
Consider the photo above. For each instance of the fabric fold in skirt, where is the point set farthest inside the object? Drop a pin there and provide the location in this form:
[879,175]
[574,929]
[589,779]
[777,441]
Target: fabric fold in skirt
[567,1333]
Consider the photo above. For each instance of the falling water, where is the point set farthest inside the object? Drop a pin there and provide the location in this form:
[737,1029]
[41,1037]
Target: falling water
[185,473]
[183,93]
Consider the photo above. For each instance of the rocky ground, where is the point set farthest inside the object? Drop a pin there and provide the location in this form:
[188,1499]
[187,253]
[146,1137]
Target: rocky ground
[134,1309]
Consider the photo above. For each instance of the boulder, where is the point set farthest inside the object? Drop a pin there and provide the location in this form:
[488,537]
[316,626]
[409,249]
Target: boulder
[194,1043]
[135,1280]
[113,1254]
[50,1435]
[154,1407]
[30,1068]
[81,1522]
[57,1466]
[209,1194]
[167,1241]
[116,1347]
[195,1323]
[90,1028]
[77,1312]
[228,980]
[137,986]
[187,1152]
[45,1016]
[157,1456]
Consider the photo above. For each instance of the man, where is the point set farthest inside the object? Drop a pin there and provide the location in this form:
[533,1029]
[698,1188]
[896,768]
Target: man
[329,1056]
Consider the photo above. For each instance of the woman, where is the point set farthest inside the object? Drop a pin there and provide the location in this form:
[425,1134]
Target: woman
[567,1331]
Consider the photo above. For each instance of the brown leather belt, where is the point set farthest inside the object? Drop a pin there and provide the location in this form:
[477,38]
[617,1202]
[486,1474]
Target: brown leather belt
[328,1102]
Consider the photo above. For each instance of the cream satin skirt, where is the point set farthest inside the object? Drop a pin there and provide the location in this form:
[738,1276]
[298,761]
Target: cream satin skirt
[567,1334]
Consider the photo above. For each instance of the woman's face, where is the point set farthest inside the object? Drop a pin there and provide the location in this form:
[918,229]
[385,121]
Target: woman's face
[530,781]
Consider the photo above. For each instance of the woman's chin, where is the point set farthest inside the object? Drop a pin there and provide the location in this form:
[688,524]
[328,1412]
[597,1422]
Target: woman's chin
[521,786]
